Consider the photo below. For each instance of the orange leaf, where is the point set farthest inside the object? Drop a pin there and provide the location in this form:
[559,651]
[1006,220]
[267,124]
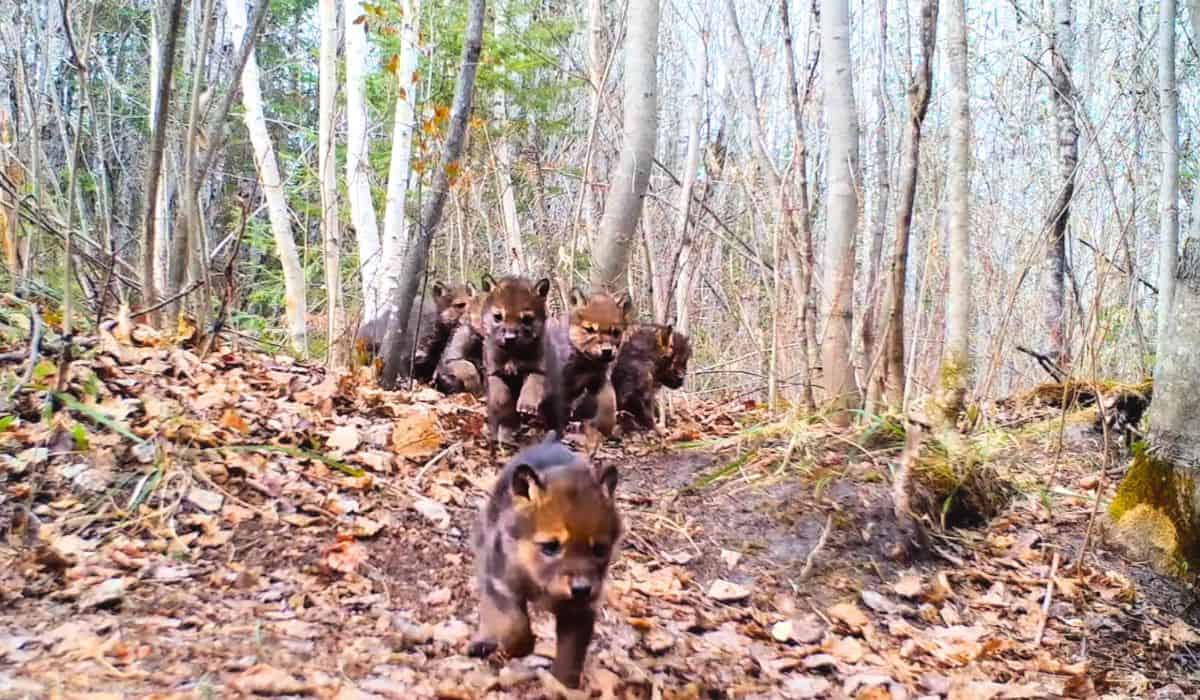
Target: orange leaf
[345,556]
[441,113]
[452,170]
[416,77]
[232,420]
[393,64]
[361,19]
[403,94]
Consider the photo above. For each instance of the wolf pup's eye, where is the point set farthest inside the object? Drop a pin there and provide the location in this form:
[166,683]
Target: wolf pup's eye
[600,550]
[497,317]
[550,548]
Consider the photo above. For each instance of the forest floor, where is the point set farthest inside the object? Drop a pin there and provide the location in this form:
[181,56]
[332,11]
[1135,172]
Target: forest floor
[247,525]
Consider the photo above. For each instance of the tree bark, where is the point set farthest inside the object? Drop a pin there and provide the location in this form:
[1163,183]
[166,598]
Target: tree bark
[623,205]
[842,221]
[956,359]
[1168,188]
[431,214]
[695,117]
[1067,137]
[271,183]
[358,168]
[331,235]
[919,88]
[873,372]
[158,137]
[396,221]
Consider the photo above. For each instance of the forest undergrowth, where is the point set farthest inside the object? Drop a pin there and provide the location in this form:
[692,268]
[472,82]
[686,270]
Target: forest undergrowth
[243,524]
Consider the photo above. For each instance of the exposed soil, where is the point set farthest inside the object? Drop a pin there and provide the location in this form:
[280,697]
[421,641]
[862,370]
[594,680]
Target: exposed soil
[302,580]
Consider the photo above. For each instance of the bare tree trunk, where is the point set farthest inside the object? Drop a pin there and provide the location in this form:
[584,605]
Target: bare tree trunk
[956,359]
[695,116]
[844,180]
[431,213]
[598,62]
[396,222]
[874,370]
[1194,15]
[1067,137]
[515,255]
[331,234]
[158,136]
[1168,192]
[271,182]
[920,85]
[623,206]
[358,168]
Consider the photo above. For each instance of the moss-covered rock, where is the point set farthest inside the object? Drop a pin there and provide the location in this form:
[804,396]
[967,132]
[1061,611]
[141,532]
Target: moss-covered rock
[1154,514]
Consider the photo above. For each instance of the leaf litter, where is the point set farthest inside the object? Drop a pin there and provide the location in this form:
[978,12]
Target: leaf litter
[259,526]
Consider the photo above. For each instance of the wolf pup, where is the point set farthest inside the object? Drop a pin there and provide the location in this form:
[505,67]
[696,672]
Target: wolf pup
[514,318]
[546,537]
[580,351]
[431,321]
[461,366]
[651,357]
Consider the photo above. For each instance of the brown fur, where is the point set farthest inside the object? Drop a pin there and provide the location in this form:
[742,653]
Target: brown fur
[580,351]
[546,536]
[461,366]
[651,357]
[513,321]
[433,321]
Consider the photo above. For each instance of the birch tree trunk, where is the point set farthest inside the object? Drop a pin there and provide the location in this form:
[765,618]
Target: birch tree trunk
[271,183]
[873,372]
[167,182]
[396,221]
[515,255]
[623,205]
[358,168]
[1067,138]
[158,136]
[331,235]
[952,384]
[1194,15]
[920,86]
[695,117]
[844,179]
[431,213]
[1168,187]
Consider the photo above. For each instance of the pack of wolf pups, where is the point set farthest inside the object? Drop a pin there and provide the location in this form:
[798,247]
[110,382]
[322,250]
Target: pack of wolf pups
[548,530]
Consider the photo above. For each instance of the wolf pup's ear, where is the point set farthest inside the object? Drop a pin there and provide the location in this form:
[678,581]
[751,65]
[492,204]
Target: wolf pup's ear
[542,287]
[487,283]
[576,298]
[470,288]
[439,289]
[664,339]
[625,303]
[526,484]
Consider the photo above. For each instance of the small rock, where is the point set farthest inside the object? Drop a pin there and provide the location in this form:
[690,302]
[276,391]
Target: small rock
[433,511]
[205,500]
[108,594]
[144,452]
[727,592]
[879,603]
[805,687]
[658,641]
[730,557]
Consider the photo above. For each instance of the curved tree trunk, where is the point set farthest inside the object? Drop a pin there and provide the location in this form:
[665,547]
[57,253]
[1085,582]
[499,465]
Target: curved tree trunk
[1168,192]
[1067,138]
[431,213]
[844,179]
[952,385]
[396,221]
[327,174]
[271,182]
[919,90]
[154,167]
[623,206]
[358,168]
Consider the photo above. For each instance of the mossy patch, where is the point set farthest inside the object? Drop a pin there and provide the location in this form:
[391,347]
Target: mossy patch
[1154,513]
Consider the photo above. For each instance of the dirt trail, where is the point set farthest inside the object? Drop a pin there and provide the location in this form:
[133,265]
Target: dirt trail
[270,572]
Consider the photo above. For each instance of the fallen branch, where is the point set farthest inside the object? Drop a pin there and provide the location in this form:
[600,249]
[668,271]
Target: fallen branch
[182,293]
[1047,364]
[812,555]
[35,343]
[1041,630]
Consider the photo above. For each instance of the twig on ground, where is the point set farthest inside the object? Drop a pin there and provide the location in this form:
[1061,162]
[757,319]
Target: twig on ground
[35,343]
[416,481]
[812,555]
[1041,630]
